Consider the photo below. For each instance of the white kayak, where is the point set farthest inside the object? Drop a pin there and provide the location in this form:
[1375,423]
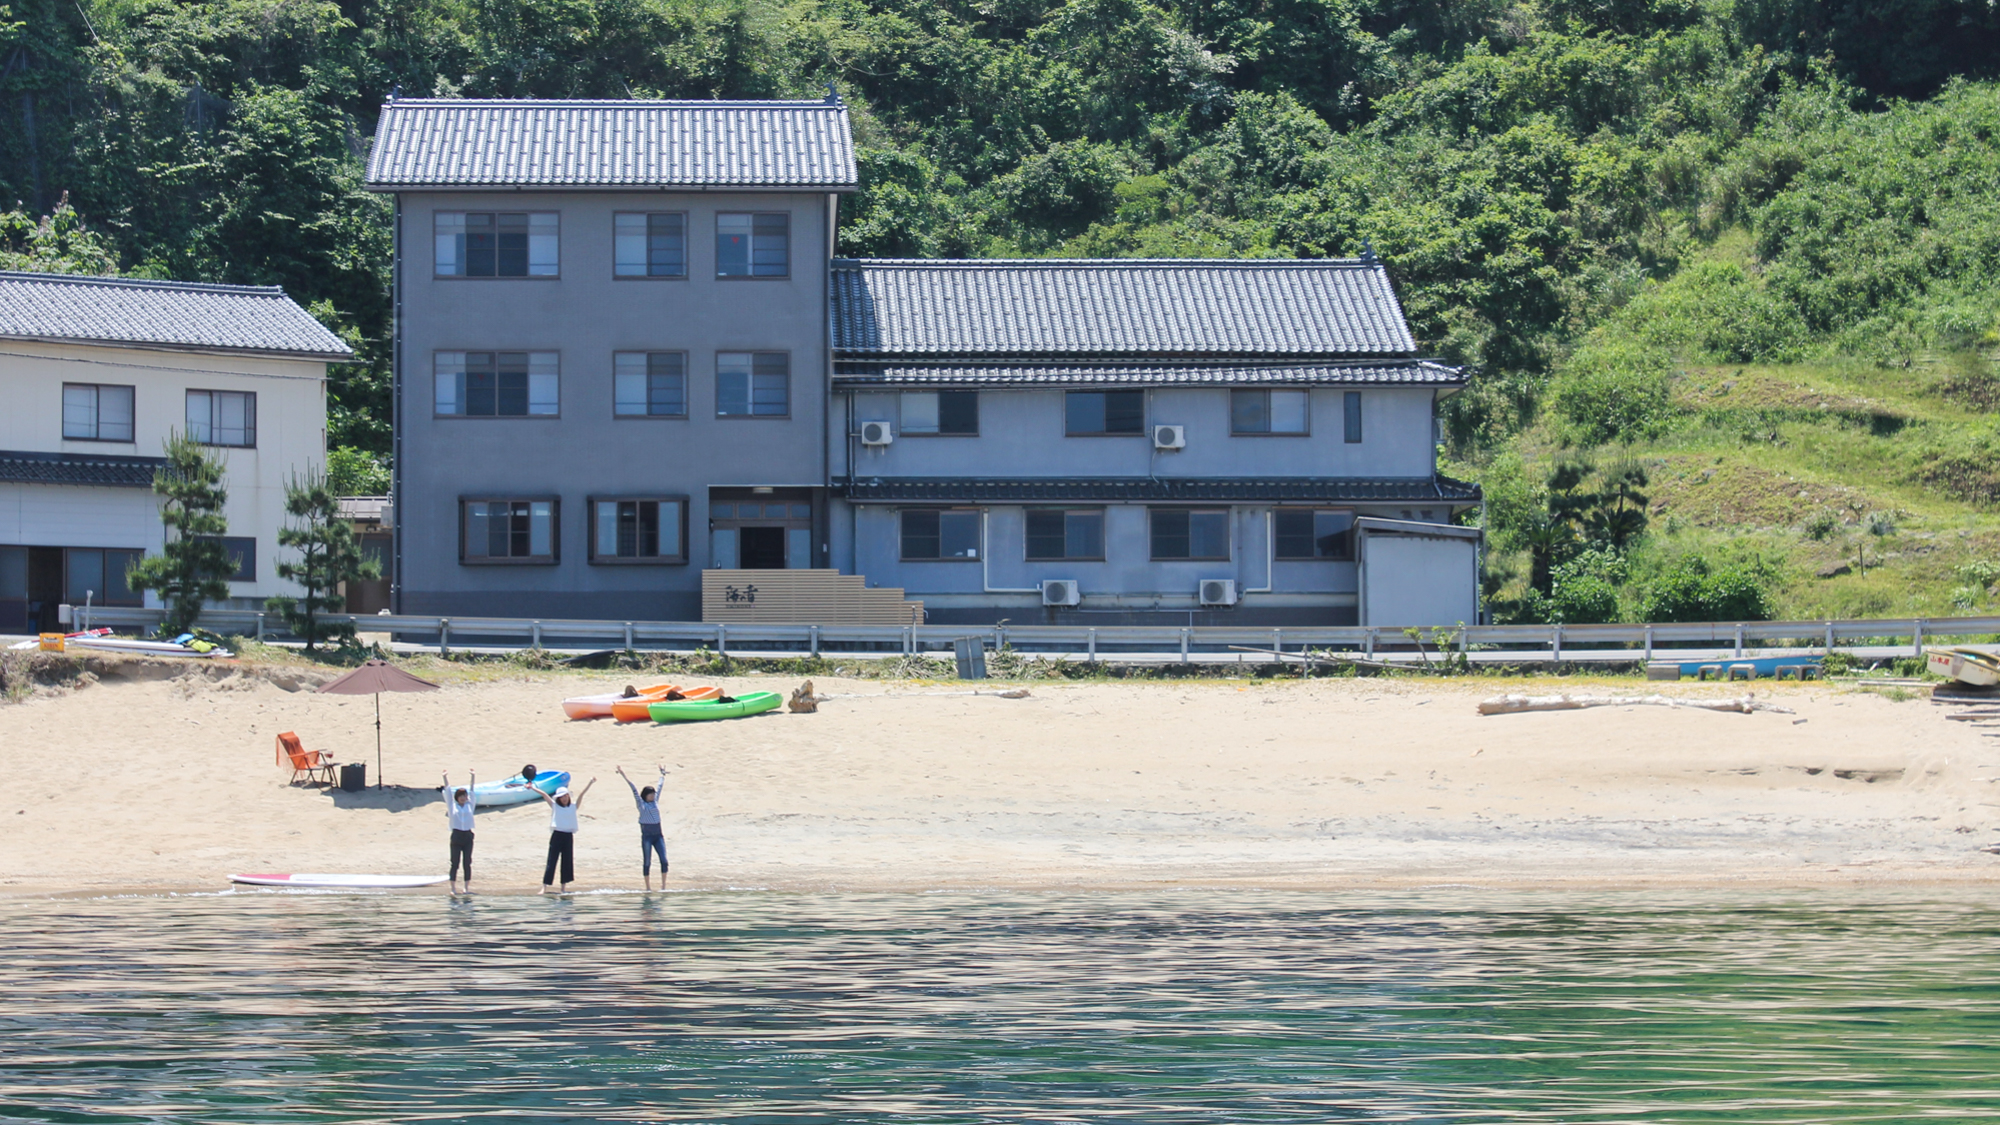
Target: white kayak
[290,880]
[150,648]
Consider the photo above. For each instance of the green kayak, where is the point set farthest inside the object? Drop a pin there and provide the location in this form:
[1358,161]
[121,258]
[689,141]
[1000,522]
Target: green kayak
[693,710]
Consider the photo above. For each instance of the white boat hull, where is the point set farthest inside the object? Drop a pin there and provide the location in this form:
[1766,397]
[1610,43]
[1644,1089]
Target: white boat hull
[1965,666]
[329,880]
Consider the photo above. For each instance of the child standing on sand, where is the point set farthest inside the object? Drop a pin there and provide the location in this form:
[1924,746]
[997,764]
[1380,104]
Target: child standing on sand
[563,810]
[652,836]
[458,811]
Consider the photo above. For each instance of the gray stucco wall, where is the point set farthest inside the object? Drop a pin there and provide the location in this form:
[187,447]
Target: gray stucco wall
[585,315]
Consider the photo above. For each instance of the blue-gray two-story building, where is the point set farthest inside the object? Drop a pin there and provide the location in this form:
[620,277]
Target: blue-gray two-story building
[626,354]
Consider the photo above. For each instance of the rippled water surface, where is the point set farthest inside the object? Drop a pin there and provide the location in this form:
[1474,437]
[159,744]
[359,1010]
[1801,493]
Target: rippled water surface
[1438,1006]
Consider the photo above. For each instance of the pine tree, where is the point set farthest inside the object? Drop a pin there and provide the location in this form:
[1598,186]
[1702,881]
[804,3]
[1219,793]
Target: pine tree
[329,555]
[195,566]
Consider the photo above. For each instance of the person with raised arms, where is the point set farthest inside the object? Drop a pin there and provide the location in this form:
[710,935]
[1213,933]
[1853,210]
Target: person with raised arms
[652,836]
[563,810]
[458,812]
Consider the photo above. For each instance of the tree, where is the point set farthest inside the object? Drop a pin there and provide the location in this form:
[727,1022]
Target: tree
[194,568]
[1620,516]
[329,555]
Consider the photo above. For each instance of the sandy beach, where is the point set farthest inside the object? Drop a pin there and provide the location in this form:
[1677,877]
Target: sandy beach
[153,785]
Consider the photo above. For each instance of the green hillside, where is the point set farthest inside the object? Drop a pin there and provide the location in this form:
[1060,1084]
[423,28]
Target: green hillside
[1738,259]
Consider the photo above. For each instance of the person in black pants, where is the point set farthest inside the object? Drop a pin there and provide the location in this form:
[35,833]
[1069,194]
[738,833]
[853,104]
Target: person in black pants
[563,810]
[458,810]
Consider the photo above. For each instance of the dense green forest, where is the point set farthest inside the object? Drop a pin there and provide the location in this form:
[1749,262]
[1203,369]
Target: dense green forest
[1729,273]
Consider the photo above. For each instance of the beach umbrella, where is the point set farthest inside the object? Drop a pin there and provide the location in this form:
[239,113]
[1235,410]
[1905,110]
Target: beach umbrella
[373,678]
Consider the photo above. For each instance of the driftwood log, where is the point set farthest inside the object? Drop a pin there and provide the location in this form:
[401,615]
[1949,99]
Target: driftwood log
[1515,704]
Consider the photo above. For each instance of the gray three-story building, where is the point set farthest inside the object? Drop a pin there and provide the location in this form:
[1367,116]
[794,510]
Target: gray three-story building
[626,354]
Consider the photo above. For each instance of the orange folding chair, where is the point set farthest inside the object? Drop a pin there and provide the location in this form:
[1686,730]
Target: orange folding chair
[314,764]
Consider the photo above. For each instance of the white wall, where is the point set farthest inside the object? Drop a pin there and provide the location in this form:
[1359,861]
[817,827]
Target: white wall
[1418,580]
[291,437]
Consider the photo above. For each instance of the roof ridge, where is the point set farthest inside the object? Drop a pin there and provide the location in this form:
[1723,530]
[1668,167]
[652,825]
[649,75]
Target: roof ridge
[611,103]
[1129,263]
[142,282]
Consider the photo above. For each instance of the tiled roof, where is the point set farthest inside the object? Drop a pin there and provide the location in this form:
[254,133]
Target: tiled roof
[17,467]
[180,316]
[1108,307]
[454,142]
[1317,490]
[860,376]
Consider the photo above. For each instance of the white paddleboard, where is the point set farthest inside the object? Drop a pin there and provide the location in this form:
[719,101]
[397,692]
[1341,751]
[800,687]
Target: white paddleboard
[302,880]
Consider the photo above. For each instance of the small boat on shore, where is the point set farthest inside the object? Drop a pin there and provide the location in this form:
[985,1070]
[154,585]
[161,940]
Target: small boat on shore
[286,879]
[636,709]
[517,790]
[1966,665]
[599,706]
[720,707]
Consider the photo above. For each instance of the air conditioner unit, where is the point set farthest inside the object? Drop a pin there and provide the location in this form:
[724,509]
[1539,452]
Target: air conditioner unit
[1218,591]
[876,433]
[1169,437]
[1061,591]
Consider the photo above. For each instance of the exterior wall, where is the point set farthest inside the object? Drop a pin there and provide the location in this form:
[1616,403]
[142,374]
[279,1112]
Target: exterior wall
[1416,580]
[585,315]
[1021,435]
[291,437]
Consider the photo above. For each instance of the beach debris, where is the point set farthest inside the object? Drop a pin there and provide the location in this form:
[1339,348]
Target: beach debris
[803,701]
[1516,704]
[1010,693]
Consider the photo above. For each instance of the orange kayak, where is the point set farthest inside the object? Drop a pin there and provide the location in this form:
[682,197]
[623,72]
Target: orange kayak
[599,706]
[634,709]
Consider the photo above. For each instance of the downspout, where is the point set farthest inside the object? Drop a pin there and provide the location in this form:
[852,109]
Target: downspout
[826,386]
[396,509]
[985,582]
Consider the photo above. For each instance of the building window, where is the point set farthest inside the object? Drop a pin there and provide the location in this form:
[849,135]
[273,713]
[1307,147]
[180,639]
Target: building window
[930,533]
[649,384]
[497,384]
[638,530]
[96,412]
[1267,412]
[753,384]
[1094,413]
[222,417]
[649,245]
[242,551]
[1313,533]
[508,531]
[496,243]
[99,575]
[1190,533]
[1076,533]
[1352,401]
[940,412]
[748,245]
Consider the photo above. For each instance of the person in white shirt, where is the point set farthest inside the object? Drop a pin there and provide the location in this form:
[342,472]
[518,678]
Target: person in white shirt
[458,811]
[563,810]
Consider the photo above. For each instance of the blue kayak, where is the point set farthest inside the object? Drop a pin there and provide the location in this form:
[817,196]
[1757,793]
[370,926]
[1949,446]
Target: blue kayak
[515,791]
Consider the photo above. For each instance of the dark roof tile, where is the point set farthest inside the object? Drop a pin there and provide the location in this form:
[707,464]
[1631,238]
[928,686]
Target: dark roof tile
[1316,490]
[162,314]
[861,376]
[18,467]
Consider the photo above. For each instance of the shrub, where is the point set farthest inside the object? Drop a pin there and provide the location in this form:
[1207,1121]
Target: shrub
[1613,393]
[1693,590]
[1586,589]
[1820,525]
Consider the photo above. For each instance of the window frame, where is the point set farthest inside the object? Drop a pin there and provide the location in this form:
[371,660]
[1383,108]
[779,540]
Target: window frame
[687,394]
[903,539]
[1100,511]
[1153,535]
[1351,418]
[902,429]
[103,598]
[753,353]
[496,353]
[496,275]
[246,570]
[250,416]
[751,260]
[553,558]
[1311,511]
[97,412]
[687,247]
[1106,395]
[591,556]
[1267,392]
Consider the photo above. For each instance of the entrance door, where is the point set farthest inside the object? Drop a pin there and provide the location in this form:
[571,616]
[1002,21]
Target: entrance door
[761,548]
[13,589]
[45,587]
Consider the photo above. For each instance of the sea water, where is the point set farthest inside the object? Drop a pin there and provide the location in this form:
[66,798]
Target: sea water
[1444,1005]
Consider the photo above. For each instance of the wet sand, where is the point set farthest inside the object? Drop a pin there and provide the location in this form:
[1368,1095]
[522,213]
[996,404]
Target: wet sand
[170,785]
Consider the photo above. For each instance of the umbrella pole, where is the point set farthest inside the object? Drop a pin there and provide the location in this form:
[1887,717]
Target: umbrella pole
[378,740]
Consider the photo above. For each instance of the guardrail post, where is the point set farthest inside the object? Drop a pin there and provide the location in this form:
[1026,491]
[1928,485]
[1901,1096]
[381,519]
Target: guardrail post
[1920,636]
[1829,636]
[1368,643]
[1278,645]
[1184,644]
[1739,638]
[628,636]
[444,636]
[815,642]
[260,628]
[536,629]
[999,637]
[721,640]
[1556,643]
[1649,644]
[1093,644]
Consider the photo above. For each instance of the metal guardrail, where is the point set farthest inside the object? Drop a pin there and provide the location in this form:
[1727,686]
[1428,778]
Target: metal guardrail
[1483,643]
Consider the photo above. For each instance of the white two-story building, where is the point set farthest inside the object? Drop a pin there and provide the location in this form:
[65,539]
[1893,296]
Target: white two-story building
[94,374]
